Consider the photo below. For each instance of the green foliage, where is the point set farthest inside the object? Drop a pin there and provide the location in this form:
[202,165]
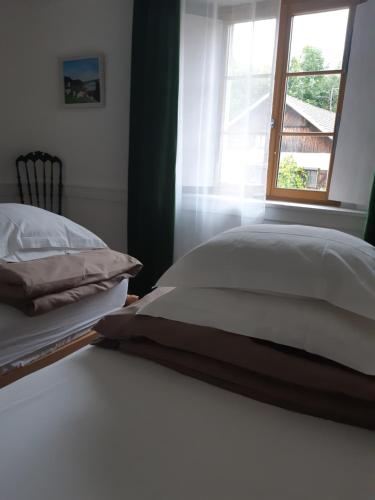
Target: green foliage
[312,59]
[321,91]
[291,175]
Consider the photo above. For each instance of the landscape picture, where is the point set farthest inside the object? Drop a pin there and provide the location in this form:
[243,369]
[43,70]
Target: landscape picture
[83,81]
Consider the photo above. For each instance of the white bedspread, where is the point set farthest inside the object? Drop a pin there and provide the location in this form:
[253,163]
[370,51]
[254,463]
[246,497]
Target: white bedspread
[100,425]
[22,335]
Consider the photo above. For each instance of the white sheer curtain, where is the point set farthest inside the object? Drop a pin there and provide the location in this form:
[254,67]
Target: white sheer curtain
[354,167]
[226,81]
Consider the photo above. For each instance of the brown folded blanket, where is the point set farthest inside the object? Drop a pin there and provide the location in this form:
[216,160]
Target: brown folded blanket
[38,286]
[265,371]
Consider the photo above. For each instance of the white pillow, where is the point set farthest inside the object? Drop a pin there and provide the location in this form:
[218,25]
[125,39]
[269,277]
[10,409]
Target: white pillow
[311,325]
[37,253]
[24,228]
[294,260]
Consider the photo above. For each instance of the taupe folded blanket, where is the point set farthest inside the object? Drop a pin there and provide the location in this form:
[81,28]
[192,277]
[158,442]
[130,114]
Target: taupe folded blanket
[38,286]
[268,372]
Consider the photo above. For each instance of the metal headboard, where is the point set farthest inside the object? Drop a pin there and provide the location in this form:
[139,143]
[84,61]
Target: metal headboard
[42,188]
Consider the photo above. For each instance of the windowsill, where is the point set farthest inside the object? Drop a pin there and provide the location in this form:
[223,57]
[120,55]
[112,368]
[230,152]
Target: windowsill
[230,202]
[287,205]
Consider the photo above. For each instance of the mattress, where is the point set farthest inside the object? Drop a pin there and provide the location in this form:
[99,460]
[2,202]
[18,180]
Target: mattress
[21,336]
[103,425]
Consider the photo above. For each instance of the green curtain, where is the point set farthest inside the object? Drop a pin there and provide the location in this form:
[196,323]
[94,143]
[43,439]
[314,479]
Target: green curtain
[370,227]
[153,137]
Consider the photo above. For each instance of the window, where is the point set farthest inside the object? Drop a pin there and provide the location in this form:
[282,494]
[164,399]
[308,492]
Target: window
[312,59]
[247,94]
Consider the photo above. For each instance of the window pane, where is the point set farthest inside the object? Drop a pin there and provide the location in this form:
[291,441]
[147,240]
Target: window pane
[311,103]
[246,39]
[264,46]
[244,144]
[318,41]
[304,163]
[244,94]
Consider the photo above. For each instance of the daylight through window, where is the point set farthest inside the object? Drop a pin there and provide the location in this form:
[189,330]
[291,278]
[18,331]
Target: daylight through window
[309,88]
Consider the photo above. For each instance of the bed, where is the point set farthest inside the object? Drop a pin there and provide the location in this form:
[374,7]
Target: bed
[57,280]
[107,423]
[281,314]
[26,342]
[103,425]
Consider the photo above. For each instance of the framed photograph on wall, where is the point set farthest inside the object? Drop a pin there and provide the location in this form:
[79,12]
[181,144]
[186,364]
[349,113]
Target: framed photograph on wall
[82,81]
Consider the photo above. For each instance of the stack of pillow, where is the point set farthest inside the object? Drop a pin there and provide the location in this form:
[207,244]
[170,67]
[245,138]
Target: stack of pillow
[282,314]
[47,261]
[305,287]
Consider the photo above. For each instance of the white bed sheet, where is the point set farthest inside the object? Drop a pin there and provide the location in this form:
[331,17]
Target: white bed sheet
[100,425]
[22,335]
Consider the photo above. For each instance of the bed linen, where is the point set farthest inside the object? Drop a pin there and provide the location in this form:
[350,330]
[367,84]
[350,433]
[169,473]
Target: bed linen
[103,425]
[263,370]
[273,374]
[25,227]
[23,338]
[39,286]
[310,325]
[27,255]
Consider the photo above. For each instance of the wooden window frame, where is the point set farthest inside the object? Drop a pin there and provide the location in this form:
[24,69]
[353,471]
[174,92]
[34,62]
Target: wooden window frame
[290,8]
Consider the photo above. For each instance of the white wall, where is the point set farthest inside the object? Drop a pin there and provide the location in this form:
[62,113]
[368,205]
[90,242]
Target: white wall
[93,143]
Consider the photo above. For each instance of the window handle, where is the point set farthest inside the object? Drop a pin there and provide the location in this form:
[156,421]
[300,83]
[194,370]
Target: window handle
[273,123]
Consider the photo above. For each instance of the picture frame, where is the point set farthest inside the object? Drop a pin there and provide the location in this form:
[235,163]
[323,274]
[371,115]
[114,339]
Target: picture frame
[82,81]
